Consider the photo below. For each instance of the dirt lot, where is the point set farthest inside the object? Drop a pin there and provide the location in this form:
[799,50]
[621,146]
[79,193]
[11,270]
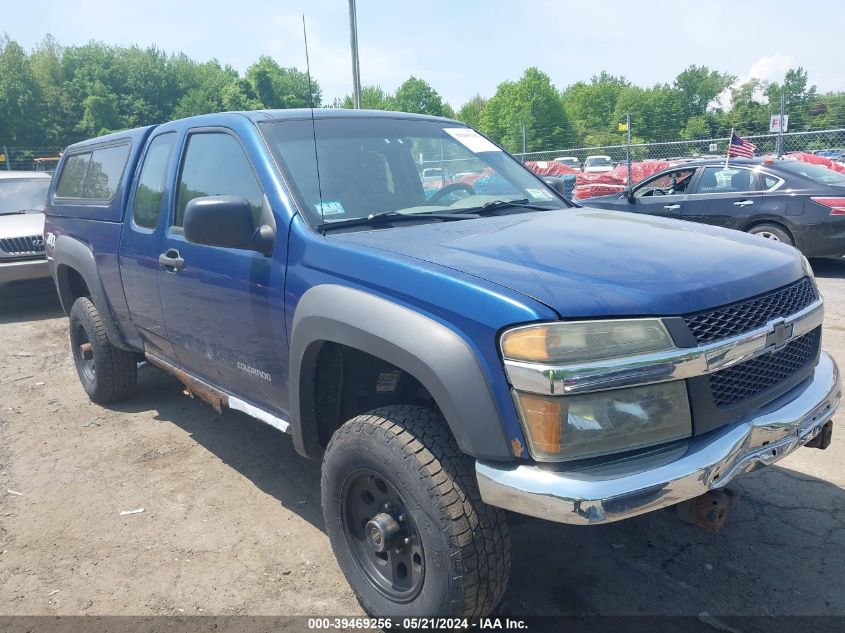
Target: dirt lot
[232,523]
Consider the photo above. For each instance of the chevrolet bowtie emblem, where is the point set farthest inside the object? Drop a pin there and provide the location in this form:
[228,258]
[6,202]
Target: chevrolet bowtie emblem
[780,334]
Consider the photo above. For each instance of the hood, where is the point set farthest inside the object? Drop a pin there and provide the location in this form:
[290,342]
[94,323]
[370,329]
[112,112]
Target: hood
[589,262]
[21,225]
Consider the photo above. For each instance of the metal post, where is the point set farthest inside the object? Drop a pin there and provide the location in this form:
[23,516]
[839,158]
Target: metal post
[628,149]
[356,68]
[780,127]
[523,143]
[8,160]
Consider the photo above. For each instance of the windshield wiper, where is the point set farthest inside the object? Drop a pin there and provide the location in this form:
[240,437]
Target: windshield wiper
[18,212]
[490,207]
[389,217]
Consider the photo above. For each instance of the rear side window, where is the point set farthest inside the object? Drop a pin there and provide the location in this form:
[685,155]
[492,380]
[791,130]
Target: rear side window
[72,179]
[215,165]
[93,175]
[151,183]
[726,180]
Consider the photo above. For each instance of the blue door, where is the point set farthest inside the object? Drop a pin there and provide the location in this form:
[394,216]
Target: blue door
[223,307]
[140,240]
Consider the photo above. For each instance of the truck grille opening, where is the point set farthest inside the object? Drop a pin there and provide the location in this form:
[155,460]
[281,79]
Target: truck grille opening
[745,380]
[31,245]
[737,318]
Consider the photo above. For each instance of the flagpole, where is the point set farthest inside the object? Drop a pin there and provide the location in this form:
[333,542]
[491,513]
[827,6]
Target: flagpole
[728,156]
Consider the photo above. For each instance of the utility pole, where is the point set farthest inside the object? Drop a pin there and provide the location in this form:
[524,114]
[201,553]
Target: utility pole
[356,68]
[780,127]
[628,126]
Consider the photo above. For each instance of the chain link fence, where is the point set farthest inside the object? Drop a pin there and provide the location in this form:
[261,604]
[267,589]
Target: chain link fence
[29,158]
[830,143]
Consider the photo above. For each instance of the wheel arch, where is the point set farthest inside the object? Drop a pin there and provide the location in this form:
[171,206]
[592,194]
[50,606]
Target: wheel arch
[433,354]
[76,275]
[775,221]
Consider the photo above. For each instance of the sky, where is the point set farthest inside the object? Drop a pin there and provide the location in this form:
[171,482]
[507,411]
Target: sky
[464,47]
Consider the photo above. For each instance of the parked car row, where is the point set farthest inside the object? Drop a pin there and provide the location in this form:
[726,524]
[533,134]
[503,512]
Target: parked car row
[788,201]
[22,198]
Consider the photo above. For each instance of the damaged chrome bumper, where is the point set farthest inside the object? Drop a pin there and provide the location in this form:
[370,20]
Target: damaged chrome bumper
[611,490]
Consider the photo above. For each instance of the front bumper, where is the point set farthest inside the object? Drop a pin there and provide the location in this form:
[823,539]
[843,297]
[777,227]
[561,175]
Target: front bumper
[604,491]
[23,270]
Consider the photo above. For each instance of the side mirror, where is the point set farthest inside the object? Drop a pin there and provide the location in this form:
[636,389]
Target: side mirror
[556,184]
[629,194]
[225,221]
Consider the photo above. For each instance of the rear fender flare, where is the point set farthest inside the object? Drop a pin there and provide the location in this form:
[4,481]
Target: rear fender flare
[70,253]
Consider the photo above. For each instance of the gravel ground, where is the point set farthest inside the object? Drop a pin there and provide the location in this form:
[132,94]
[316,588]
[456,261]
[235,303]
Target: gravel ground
[232,523]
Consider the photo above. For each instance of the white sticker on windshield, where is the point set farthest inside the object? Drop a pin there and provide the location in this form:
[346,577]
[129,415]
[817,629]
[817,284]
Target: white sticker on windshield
[539,194]
[330,207]
[471,139]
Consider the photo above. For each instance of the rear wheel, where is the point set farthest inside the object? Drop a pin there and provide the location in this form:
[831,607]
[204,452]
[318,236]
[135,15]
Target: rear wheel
[107,373]
[406,521]
[772,232]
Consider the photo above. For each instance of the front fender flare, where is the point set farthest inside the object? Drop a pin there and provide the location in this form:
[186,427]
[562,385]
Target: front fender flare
[434,354]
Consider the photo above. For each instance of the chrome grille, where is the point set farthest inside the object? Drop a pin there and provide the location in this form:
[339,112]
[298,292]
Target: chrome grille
[745,380]
[727,321]
[31,245]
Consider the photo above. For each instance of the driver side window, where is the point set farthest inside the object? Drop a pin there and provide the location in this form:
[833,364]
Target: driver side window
[666,184]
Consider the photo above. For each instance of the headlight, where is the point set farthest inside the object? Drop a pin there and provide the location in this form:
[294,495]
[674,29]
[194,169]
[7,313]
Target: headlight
[808,270]
[562,428]
[588,425]
[584,341]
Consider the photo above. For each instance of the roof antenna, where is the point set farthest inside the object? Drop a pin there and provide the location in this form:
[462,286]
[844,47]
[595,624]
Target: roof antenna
[313,124]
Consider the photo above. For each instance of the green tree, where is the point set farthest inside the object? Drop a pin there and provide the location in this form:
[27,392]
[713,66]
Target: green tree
[748,114]
[470,112]
[592,106]
[372,98]
[799,96]
[416,95]
[532,104]
[278,87]
[699,86]
[656,112]
[19,96]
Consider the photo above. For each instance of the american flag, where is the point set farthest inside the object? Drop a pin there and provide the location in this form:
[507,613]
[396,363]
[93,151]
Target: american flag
[740,147]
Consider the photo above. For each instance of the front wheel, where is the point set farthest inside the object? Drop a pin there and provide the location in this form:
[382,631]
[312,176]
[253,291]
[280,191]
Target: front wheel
[406,521]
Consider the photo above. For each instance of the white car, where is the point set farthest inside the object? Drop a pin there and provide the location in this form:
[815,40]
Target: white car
[22,198]
[569,161]
[598,164]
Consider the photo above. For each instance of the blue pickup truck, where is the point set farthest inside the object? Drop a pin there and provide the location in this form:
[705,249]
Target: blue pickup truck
[449,350]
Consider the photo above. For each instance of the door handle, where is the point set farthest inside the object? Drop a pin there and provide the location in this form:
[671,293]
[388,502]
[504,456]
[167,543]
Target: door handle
[672,207]
[171,261]
[744,203]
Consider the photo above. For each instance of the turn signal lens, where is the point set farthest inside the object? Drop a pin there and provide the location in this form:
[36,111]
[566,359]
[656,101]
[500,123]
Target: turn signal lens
[542,416]
[526,344]
[585,341]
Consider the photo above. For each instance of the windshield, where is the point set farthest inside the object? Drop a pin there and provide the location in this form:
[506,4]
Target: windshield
[599,161]
[382,165]
[23,194]
[817,173]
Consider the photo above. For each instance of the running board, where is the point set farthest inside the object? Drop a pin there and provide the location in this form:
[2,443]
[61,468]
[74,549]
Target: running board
[194,387]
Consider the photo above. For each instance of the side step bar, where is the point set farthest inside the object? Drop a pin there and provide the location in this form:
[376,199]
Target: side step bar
[194,387]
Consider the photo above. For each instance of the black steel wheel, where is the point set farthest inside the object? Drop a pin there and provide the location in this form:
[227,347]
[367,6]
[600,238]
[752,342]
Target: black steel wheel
[382,535]
[406,521]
